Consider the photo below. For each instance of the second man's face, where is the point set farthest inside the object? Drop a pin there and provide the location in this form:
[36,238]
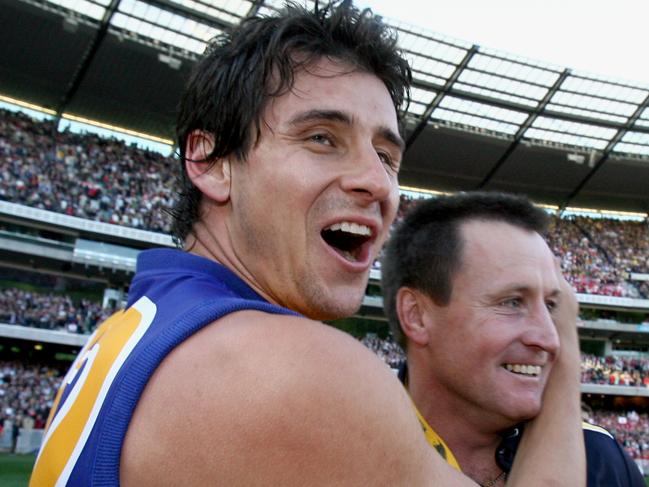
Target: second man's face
[495,342]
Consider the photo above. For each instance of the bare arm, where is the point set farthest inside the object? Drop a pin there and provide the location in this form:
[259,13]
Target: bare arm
[256,399]
[552,451]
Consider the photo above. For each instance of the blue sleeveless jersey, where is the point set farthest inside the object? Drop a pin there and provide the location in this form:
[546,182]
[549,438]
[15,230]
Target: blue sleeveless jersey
[173,295]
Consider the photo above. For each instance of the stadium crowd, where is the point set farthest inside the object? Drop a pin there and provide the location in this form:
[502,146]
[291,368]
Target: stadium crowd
[26,395]
[387,350]
[615,370]
[50,311]
[83,175]
[107,180]
[584,263]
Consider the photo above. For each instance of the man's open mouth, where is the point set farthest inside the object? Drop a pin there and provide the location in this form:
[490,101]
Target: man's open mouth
[348,239]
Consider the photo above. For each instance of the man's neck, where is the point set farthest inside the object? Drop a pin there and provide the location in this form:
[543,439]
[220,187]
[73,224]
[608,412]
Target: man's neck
[471,439]
[474,449]
[209,240]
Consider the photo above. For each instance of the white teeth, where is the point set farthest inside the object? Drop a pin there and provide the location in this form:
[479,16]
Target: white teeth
[533,370]
[351,227]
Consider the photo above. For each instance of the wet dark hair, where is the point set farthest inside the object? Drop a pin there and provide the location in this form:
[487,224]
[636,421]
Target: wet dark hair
[424,251]
[257,60]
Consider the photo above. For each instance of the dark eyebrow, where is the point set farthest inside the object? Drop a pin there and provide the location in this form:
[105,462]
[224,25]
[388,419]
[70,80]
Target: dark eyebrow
[556,292]
[339,116]
[316,115]
[393,138]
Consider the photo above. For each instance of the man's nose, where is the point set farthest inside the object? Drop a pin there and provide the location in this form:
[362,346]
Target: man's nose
[368,175]
[541,332]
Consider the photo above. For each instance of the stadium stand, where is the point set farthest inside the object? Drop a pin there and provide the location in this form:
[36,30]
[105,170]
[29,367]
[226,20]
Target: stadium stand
[26,396]
[82,175]
[584,262]
[108,181]
[615,370]
[50,311]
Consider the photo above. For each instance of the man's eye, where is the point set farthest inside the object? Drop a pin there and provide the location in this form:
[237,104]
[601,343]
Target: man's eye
[551,305]
[388,161]
[322,139]
[513,303]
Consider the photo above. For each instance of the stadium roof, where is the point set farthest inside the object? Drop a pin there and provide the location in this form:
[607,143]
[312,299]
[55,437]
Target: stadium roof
[479,118]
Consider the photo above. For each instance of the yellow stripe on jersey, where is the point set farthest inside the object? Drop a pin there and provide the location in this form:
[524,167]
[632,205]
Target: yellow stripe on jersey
[593,427]
[436,441]
[69,426]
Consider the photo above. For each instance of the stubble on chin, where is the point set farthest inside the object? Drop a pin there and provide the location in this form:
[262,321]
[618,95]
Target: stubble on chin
[325,304]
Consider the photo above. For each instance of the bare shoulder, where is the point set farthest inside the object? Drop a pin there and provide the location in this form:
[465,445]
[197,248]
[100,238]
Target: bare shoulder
[274,400]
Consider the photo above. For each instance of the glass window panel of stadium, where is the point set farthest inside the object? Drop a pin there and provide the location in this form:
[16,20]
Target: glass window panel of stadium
[472,87]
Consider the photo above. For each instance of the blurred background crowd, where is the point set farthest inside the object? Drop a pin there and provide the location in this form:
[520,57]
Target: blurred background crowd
[107,180]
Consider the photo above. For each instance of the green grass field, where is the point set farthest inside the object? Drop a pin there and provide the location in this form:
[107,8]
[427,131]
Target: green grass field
[15,469]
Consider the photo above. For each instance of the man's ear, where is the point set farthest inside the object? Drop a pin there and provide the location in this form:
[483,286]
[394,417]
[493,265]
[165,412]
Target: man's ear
[211,177]
[412,311]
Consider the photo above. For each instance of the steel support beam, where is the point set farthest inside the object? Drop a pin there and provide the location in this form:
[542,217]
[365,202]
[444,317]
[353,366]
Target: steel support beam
[86,59]
[518,137]
[507,105]
[195,15]
[254,8]
[608,149]
[423,120]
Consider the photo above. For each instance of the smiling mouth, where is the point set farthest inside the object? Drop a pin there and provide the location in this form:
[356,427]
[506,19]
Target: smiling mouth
[348,239]
[523,369]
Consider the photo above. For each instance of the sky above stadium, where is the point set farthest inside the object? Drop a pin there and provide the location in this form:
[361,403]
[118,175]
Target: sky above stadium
[602,37]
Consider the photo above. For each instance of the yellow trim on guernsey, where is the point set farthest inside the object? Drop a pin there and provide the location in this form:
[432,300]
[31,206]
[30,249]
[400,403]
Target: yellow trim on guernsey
[598,429]
[436,441]
[442,448]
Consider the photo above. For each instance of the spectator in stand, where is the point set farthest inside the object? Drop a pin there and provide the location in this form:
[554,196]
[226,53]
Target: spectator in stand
[106,180]
[584,264]
[83,175]
[625,242]
[27,394]
[387,350]
[630,428]
[615,370]
[50,311]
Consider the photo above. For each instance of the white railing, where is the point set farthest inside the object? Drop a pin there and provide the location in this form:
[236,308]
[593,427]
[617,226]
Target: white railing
[84,225]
